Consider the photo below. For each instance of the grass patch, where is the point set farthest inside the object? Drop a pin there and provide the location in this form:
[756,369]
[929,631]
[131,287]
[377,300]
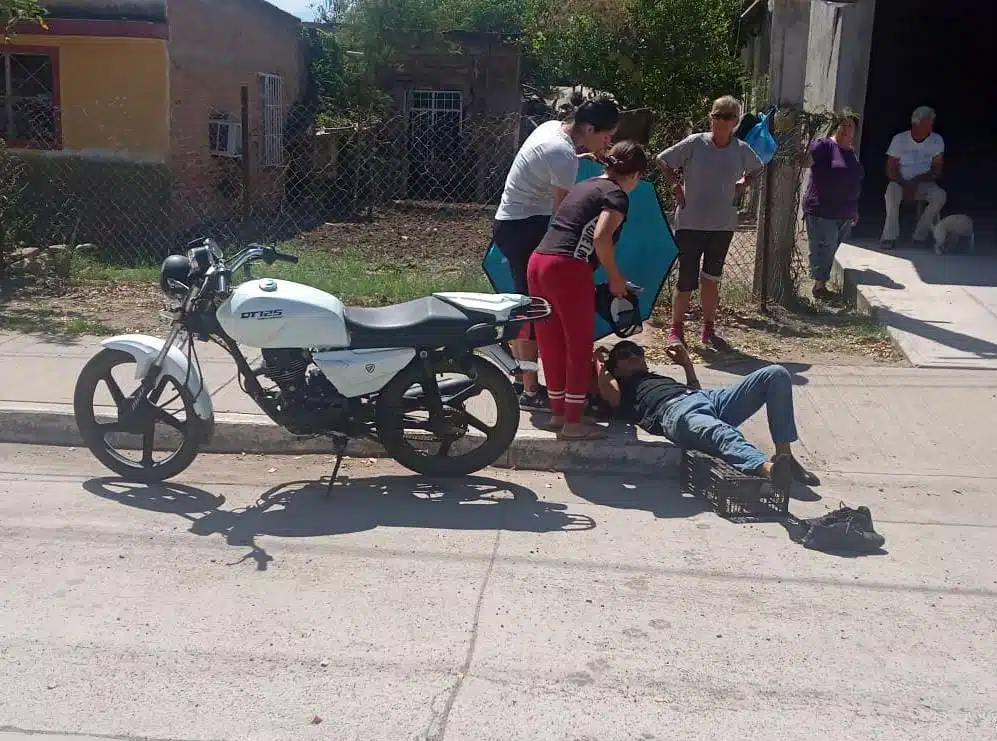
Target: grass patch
[354,280]
[38,319]
[346,275]
[827,332]
[86,268]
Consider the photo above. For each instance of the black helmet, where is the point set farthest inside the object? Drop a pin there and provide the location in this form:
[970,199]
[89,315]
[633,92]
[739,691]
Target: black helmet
[175,267]
[621,314]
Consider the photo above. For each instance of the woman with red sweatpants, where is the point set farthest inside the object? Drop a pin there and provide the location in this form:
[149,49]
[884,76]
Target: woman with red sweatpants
[582,236]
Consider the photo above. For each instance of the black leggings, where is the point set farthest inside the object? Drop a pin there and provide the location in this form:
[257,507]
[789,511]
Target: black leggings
[517,240]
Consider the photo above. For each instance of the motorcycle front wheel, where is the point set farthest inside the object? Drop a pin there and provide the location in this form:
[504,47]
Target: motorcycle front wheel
[162,425]
[404,428]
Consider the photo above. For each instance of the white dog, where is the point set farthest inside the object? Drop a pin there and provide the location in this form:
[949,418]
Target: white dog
[951,229]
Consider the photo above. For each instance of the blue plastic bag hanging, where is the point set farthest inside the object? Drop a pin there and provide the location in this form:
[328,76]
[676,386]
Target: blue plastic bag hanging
[760,139]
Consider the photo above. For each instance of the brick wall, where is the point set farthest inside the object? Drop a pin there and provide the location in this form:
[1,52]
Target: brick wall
[485,69]
[215,47]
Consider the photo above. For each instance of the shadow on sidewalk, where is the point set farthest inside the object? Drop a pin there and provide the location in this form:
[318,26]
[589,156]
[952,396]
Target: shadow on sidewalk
[983,349]
[870,277]
[301,509]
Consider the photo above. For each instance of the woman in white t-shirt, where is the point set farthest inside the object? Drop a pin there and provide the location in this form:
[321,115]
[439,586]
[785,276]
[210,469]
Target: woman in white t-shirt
[544,169]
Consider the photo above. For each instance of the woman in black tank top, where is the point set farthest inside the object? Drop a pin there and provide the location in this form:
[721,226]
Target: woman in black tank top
[582,236]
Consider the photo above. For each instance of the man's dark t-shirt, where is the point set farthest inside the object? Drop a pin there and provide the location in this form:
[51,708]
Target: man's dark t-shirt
[572,232]
[644,398]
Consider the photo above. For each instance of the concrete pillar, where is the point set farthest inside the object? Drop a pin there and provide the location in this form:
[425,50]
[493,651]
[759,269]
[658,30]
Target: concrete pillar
[837,70]
[789,37]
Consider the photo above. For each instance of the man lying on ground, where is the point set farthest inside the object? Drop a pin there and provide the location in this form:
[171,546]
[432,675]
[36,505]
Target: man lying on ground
[705,419]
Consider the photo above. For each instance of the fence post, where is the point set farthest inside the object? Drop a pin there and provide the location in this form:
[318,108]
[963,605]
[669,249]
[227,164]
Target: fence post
[763,241]
[247,169]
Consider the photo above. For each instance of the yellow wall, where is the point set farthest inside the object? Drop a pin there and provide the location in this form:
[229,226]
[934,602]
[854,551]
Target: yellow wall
[114,93]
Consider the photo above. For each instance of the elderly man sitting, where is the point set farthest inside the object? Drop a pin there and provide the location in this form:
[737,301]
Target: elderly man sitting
[705,419]
[913,163]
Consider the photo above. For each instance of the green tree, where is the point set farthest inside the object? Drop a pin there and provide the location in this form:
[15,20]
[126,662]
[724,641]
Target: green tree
[669,55]
[13,12]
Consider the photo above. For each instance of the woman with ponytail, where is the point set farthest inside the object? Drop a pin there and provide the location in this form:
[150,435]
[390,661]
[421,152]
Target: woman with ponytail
[581,237]
[542,173]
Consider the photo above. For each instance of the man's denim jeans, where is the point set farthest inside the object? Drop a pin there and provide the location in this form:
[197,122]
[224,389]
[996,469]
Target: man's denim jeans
[708,420]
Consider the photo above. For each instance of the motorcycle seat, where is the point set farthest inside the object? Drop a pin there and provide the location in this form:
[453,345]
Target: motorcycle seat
[424,322]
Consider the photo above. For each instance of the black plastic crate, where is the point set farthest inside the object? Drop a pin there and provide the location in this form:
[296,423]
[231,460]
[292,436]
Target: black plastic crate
[732,494]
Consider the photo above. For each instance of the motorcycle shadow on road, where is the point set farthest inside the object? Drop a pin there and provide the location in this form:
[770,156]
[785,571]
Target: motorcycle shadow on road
[662,497]
[301,509]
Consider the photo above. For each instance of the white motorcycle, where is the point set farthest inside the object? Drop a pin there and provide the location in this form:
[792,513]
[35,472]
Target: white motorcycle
[326,371]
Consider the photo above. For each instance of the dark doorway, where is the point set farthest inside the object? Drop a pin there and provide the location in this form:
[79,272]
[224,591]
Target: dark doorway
[939,53]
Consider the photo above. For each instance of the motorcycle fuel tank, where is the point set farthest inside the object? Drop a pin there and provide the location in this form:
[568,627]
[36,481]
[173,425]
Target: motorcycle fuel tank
[270,313]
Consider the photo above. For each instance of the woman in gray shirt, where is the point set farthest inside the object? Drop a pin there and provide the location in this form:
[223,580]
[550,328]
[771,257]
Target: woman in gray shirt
[710,172]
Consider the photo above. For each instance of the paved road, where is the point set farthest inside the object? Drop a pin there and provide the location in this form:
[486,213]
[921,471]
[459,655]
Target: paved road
[244,605]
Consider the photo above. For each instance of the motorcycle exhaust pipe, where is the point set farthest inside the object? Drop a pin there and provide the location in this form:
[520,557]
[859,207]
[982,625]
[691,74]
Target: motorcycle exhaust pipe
[450,387]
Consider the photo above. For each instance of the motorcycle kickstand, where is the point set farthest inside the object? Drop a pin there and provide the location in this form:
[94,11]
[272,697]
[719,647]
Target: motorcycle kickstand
[340,447]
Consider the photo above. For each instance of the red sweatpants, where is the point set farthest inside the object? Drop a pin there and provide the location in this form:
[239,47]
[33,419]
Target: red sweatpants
[565,338]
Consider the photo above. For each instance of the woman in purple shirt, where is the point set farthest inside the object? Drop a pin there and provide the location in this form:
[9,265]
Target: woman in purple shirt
[831,203]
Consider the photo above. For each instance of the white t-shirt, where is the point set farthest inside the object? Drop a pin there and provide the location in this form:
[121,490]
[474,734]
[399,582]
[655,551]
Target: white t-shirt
[547,160]
[915,157]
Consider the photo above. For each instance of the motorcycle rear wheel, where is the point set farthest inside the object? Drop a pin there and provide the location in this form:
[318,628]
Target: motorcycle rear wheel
[95,433]
[391,422]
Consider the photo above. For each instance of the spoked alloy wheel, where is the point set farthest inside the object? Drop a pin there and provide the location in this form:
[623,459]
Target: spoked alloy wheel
[148,441]
[480,420]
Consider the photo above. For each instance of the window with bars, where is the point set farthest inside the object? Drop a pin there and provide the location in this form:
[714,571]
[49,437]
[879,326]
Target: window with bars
[272,109]
[435,122]
[28,115]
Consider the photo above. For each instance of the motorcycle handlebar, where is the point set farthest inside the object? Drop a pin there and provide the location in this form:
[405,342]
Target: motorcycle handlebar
[269,255]
[281,257]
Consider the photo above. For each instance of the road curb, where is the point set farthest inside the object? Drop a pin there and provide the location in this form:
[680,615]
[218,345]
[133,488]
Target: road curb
[851,290]
[532,450]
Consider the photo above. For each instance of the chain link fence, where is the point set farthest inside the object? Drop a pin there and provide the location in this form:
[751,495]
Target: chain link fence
[417,188]
[782,257]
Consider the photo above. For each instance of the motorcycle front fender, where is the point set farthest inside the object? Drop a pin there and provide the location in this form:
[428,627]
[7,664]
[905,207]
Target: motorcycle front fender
[145,349]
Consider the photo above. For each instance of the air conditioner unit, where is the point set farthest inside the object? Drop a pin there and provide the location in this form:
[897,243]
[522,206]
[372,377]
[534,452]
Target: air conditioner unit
[225,138]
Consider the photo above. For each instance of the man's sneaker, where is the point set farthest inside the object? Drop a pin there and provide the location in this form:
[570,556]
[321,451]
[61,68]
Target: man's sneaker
[535,401]
[844,529]
[889,244]
[676,336]
[802,475]
[517,386]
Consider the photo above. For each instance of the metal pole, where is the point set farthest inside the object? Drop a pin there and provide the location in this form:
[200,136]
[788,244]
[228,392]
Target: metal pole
[766,228]
[247,171]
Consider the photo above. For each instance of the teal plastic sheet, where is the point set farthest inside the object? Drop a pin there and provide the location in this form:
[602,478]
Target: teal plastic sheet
[645,253]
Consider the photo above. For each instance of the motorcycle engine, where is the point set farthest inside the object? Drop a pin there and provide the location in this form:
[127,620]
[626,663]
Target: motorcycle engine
[310,403]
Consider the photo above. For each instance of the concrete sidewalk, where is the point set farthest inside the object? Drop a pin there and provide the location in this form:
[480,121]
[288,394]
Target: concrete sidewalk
[941,310]
[913,421]
[38,377]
